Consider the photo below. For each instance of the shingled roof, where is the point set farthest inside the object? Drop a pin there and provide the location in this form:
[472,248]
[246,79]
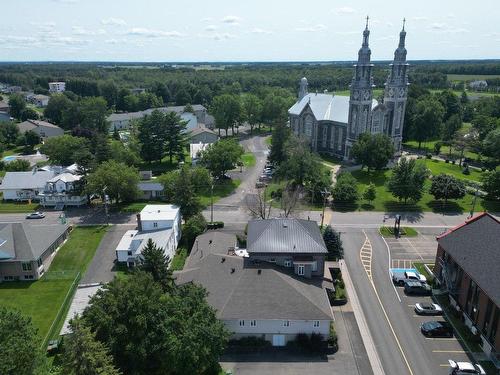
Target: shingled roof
[475,246]
[285,236]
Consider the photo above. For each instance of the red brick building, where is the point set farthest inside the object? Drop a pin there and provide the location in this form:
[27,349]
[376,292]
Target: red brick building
[468,266]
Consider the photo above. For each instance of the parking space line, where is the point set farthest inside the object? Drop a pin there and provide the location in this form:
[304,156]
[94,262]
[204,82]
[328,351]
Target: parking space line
[450,351]
[441,338]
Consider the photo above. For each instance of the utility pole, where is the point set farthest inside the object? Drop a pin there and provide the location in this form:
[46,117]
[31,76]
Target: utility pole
[474,202]
[212,202]
[325,195]
[106,201]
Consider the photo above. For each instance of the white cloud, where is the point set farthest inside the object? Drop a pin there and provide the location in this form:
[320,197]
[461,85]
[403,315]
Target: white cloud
[150,33]
[420,18]
[223,36]
[211,28]
[258,30]
[206,19]
[438,26]
[344,10]
[44,26]
[113,21]
[389,24]
[310,29]
[79,30]
[232,20]
[445,28]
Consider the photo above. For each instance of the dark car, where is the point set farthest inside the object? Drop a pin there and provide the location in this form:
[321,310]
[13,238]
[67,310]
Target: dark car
[417,288]
[436,329]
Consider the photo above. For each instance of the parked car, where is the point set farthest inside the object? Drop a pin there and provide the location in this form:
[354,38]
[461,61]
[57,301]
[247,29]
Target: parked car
[436,329]
[417,288]
[463,368]
[35,215]
[264,178]
[400,275]
[428,308]
[260,184]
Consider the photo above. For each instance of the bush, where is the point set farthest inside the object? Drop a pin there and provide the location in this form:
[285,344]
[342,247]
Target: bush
[195,226]
[428,156]
[250,341]
[215,225]
[453,161]
[446,161]
[345,189]
[18,165]
[332,338]
[466,171]
[242,240]
[437,147]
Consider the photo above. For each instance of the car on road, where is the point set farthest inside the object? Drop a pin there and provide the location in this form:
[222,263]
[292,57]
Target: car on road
[260,184]
[417,288]
[428,308]
[35,215]
[463,368]
[436,329]
[400,275]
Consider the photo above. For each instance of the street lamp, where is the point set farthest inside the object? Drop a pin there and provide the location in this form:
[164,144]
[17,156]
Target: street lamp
[324,193]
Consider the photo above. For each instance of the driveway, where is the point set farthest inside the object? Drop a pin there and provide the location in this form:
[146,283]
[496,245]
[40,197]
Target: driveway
[102,268]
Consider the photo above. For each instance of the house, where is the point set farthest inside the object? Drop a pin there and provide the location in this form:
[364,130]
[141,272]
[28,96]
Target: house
[63,190]
[43,128]
[23,186]
[256,298]
[158,222]
[4,116]
[479,85]
[26,250]
[55,87]
[39,100]
[12,89]
[202,134]
[195,150]
[467,267]
[291,243]
[4,106]
[150,190]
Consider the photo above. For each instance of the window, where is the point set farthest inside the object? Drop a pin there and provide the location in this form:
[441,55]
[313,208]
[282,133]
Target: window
[28,277]
[314,266]
[316,324]
[339,139]
[288,263]
[308,126]
[300,270]
[155,225]
[332,137]
[494,325]
[286,323]
[272,260]
[39,262]
[242,323]
[323,140]
[129,253]
[487,316]
[8,278]
[26,266]
[253,323]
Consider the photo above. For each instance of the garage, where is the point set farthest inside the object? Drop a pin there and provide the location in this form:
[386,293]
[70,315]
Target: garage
[278,340]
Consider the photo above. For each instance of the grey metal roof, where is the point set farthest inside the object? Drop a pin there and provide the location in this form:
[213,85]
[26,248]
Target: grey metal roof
[239,291]
[26,180]
[21,241]
[211,242]
[285,236]
[475,246]
[326,107]
[139,114]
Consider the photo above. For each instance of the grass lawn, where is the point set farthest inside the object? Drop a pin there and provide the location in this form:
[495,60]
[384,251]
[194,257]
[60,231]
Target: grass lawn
[164,166]
[405,231]
[330,160]
[437,167]
[221,190]
[17,207]
[42,299]
[179,259]
[248,159]
[134,207]
[269,141]
[13,151]
[420,267]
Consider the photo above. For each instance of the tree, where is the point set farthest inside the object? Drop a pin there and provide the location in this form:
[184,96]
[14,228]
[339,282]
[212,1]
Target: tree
[154,261]
[451,126]
[289,200]
[18,165]
[451,104]
[345,189]
[333,242]
[117,179]
[30,140]
[194,226]
[93,112]
[174,138]
[373,150]
[58,103]
[20,354]
[123,153]
[221,156]
[370,193]
[300,166]
[63,149]
[407,180]
[29,114]
[491,144]
[275,108]
[184,194]
[182,97]
[446,187]
[252,110]
[109,91]
[102,150]
[226,110]
[17,105]
[428,118]
[491,184]
[151,136]
[258,204]
[484,125]
[9,132]
[84,354]
[278,154]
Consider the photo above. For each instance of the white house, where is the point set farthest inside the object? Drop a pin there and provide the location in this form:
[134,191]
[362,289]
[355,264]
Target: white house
[60,191]
[150,189]
[57,87]
[22,186]
[158,222]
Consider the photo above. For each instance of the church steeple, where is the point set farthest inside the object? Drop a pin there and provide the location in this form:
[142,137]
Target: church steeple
[400,53]
[365,52]
[303,88]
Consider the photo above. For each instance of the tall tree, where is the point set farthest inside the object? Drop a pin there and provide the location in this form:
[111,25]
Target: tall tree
[30,140]
[278,154]
[221,156]
[151,136]
[428,119]
[345,189]
[174,135]
[370,193]
[491,184]
[373,150]
[93,114]
[407,180]
[155,262]
[62,149]
[333,242]
[451,126]
[451,104]
[252,109]
[226,110]
[194,226]
[446,187]
[9,132]
[275,109]
[17,105]
[491,144]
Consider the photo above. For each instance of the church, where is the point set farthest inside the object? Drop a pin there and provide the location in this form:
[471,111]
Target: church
[332,123]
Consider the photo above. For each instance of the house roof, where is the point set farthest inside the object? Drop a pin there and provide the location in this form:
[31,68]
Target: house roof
[26,180]
[135,115]
[135,241]
[211,242]
[65,177]
[21,241]
[325,107]
[285,236]
[159,212]
[474,245]
[32,124]
[238,290]
[150,186]
[200,130]
[195,148]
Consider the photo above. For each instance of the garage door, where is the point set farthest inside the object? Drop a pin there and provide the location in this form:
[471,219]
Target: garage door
[278,340]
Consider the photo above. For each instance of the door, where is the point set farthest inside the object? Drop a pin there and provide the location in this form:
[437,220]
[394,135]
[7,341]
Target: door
[278,340]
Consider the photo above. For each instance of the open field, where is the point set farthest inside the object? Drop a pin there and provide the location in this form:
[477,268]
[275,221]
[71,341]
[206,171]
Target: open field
[428,147]
[437,167]
[471,77]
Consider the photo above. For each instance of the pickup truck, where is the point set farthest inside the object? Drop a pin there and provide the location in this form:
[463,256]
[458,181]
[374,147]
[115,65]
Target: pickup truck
[400,275]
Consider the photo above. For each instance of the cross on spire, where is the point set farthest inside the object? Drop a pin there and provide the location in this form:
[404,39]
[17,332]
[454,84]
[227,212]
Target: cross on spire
[367,18]
[404,21]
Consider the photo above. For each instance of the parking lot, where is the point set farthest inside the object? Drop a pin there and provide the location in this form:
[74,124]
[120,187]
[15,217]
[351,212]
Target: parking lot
[406,250]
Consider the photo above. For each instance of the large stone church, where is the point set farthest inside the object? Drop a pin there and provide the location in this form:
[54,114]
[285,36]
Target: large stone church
[332,122]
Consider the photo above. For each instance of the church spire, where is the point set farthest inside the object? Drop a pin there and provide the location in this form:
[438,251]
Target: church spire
[400,53]
[303,88]
[364,52]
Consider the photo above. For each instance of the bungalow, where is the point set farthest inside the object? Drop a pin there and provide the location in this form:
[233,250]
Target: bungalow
[23,186]
[150,190]
[202,134]
[39,100]
[26,251]
[43,128]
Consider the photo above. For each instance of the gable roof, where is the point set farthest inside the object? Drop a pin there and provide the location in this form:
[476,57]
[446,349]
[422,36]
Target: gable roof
[21,241]
[211,242]
[139,114]
[238,290]
[285,236]
[32,124]
[65,177]
[474,245]
[200,130]
[26,180]
[325,107]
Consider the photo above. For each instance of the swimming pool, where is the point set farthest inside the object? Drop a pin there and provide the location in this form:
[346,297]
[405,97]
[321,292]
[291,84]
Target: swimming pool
[9,158]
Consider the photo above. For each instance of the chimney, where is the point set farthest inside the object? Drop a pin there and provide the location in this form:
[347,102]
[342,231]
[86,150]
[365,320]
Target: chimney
[259,272]
[139,223]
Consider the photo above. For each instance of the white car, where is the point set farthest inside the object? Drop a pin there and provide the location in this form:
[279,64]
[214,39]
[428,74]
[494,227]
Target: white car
[465,368]
[428,308]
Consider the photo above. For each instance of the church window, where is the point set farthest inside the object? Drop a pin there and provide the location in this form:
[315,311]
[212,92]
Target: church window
[339,138]
[325,135]
[332,137]
[308,126]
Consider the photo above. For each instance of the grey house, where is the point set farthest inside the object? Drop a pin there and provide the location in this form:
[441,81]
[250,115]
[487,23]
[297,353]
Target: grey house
[26,251]
[43,128]
[291,243]
[202,134]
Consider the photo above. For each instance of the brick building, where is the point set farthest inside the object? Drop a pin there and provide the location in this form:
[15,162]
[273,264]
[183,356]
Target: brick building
[468,266]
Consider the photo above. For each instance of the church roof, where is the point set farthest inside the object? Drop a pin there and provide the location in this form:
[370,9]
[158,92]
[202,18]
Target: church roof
[326,107]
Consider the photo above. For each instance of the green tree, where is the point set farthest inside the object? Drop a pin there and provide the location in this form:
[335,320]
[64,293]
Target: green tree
[109,91]
[445,186]
[226,110]
[17,105]
[151,136]
[370,193]
[280,137]
[9,132]
[20,354]
[84,354]
[221,156]
[18,165]
[275,108]
[451,126]
[184,194]
[491,144]
[194,226]
[154,261]
[407,180]
[484,124]
[174,138]
[333,242]
[29,114]
[102,150]
[373,150]
[182,97]
[451,104]
[491,184]
[62,149]
[300,166]
[148,100]
[428,118]
[345,189]
[119,180]
[123,153]
[93,112]
[252,110]
[30,140]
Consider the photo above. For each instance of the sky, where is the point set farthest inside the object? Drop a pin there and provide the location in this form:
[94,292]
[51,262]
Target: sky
[252,30]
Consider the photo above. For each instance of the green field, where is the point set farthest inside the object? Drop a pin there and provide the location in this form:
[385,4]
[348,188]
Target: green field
[179,259]
[437,167]
[471,77]
[428,147]
[404,231]
[221,190]
[42,299]
[16,208]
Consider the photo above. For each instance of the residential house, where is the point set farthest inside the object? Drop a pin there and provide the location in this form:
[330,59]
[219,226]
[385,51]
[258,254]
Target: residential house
[4,106]
[43,128]
[150,190]
[479,85]
[4,116]
[23,186]
[39,100]
[468,268]
[254,297]
[195,150]
[55,87]
[158,222]
[202,134]
[26,250]
[63,190]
